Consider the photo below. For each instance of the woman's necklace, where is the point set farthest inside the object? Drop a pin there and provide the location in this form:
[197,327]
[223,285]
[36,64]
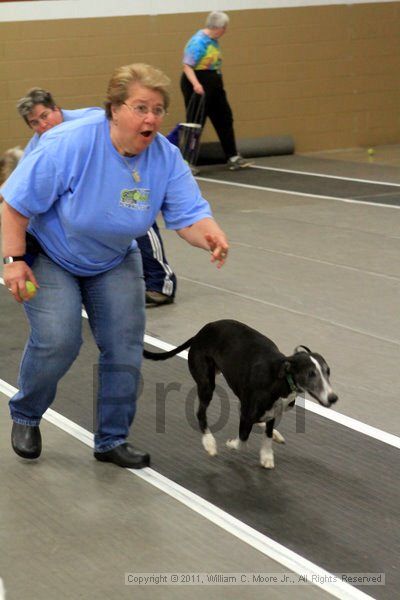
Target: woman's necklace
[134,173]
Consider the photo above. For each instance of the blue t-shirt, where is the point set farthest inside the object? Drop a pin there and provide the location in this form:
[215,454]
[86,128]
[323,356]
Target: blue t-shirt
[68,115]
[202,53]
[86,203]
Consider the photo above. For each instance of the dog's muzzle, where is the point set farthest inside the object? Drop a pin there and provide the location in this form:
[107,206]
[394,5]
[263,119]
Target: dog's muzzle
[332,398]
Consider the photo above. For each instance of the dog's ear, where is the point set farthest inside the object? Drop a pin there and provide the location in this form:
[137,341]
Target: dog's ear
[284,369]
[302,349]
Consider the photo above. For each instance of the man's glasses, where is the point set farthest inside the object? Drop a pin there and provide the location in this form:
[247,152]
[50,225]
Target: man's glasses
[142,110]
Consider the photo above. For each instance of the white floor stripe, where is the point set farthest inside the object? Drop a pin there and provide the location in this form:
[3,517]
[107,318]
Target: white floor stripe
[341,419]
[268,189]
[267,546]
[154,341]
[164,345]
[339,177]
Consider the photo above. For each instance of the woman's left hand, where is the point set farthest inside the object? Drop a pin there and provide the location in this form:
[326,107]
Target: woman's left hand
[208,235]
[218,247]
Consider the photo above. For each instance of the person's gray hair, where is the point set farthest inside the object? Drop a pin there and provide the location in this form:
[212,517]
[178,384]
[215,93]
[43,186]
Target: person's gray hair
[123,77]
[33,97]
[8,161]
[216,20]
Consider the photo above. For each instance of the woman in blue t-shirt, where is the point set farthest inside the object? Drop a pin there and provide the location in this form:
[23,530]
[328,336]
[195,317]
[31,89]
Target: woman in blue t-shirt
[40,112]
[91,187]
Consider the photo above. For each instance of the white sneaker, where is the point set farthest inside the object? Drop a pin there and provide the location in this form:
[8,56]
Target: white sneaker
[238,162]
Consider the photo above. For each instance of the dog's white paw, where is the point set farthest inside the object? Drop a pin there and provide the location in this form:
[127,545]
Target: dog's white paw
[267,460]
[209,443]
[278,437]
[262,424]
[267,454]
[234,444]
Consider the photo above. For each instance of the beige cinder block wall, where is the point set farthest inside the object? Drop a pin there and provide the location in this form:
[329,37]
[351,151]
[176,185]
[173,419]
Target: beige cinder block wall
[327,75]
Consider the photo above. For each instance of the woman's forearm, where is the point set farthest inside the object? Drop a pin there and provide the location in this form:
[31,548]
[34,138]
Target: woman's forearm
[195,234]
[17,273]
[191,75]
[208,235]
[13,226]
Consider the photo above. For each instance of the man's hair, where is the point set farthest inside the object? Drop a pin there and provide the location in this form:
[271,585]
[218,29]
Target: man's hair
[33,97]
[119,85]
[216,20]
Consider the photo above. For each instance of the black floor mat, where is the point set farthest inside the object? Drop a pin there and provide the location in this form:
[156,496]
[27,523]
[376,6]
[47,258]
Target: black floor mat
[309,184]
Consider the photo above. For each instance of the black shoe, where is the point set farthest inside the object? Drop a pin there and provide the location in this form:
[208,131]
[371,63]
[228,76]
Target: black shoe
[154,298]
[125,455]
[26,440]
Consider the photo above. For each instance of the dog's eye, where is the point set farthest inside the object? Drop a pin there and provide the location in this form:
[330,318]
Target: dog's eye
[312,374]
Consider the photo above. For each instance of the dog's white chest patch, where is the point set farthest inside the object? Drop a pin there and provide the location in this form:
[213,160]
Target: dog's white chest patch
[288,401]
[279,407]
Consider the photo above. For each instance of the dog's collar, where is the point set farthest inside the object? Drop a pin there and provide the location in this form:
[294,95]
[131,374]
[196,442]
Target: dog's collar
[291,383]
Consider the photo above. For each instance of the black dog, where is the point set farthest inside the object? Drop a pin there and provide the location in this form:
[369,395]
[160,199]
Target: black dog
[265,381]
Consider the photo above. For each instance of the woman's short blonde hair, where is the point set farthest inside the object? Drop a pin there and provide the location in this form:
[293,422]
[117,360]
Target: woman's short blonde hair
[123,77]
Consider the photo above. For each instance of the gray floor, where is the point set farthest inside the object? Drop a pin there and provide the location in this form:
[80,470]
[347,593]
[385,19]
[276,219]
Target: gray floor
[302,270]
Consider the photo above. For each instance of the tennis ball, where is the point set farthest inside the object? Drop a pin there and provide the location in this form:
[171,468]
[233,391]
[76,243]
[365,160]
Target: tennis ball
[371,151]
[30,288]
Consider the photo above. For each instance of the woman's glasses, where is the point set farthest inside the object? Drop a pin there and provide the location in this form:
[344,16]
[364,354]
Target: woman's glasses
[142,110]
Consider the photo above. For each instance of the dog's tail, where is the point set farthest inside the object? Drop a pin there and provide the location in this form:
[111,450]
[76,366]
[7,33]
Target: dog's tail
[165,355]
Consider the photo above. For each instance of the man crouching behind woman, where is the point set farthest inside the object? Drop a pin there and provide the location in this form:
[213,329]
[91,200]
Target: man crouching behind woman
[90,188]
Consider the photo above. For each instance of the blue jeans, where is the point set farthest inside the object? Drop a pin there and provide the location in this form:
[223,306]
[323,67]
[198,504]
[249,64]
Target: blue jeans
[114,302]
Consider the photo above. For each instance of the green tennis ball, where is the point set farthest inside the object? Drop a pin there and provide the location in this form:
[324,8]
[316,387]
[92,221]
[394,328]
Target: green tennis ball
[30,288]
[371,151]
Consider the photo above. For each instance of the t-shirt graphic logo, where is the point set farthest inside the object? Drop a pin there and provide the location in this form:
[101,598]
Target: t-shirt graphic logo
[137,199]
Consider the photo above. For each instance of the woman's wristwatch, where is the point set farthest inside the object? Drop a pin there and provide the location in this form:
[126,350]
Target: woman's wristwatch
[10,259]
